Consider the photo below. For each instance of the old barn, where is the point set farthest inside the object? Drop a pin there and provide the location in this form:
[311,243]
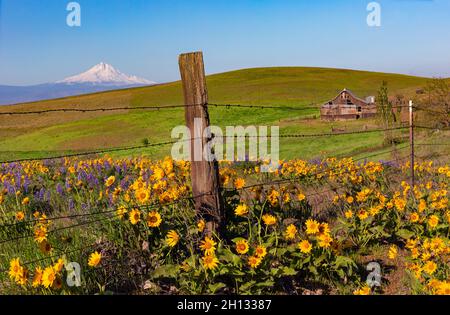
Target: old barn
[347,106]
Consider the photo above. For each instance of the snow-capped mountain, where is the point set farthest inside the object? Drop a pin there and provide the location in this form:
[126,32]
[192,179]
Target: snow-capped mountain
[99,78]
[104,73]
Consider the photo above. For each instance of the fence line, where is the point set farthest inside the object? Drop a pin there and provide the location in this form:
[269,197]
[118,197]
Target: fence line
[166,107]
[32,262]
[109,150]
[101,212]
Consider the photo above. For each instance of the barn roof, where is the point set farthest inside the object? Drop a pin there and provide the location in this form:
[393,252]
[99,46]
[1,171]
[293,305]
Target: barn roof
[349,92]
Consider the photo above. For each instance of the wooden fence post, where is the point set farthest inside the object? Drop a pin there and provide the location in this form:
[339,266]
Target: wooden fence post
[411,144]
[204,174]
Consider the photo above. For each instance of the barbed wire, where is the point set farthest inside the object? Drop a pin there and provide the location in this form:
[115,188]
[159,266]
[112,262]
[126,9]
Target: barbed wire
[432,144]
[110,150]
[147,207]
[94,152]
[165,107]
[63,253]
[321,172]
[72,216]
[101,109]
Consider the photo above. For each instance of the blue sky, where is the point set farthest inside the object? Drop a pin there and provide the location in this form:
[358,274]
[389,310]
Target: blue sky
[144,37]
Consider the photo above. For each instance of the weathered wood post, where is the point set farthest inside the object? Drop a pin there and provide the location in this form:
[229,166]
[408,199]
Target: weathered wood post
[204,173]
[411,143]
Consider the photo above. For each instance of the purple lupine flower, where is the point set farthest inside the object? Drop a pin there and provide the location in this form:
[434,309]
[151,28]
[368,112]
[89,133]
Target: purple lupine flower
[71,204]
[26,184]
[59,189]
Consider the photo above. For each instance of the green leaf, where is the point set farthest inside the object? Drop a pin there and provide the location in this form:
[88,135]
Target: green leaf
[343,261]
[268,283]
[313,270]
[166,271]
[214,287]
[405,234]
[287,271]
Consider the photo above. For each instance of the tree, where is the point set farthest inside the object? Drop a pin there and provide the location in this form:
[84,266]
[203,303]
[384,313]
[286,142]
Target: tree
[385,113]
[437,101]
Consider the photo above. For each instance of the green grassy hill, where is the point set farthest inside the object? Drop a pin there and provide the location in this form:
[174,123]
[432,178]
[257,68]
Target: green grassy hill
[54,133]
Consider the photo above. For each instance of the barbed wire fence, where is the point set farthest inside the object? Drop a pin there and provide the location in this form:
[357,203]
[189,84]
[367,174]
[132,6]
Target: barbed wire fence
[206,187]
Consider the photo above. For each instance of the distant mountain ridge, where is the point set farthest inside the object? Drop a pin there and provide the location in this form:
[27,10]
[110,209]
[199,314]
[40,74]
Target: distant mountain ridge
[101,77]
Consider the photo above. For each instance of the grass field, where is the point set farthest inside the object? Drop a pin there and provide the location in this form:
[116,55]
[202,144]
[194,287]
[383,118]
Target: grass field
[54,133]
[312,227]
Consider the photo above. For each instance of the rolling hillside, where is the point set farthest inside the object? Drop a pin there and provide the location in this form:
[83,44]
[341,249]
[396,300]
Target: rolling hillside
[42,135]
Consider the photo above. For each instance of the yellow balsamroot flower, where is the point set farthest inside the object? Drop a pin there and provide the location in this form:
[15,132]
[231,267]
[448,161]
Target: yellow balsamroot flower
[301,197]
[348,214]
[201,225]
[22,277]
[15,269]
[312,226]
[142,195]
[154,219]
[239,183]
[269,219]
[208,245]
[291,232]
[48,277]
[363,214]
[286,197]
[444,287]
[254,261]
[350,199]
[414,217]
[392,253]
[411,243]
[110,181]
[25,201]
[430,267]
[438,245]
[273,197]
[400,204]
[210,262]
[172,238]
[121,211]
[260,251]
[135,216]
[94,259]
[242,247]
[426,256]
[335,199]
[58,266]
[433,221]
[20,216]
[241,210]
[324,228]
[37,279]
[363,291]
[305,246]
[422,205]
[325,240]
[40,233]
